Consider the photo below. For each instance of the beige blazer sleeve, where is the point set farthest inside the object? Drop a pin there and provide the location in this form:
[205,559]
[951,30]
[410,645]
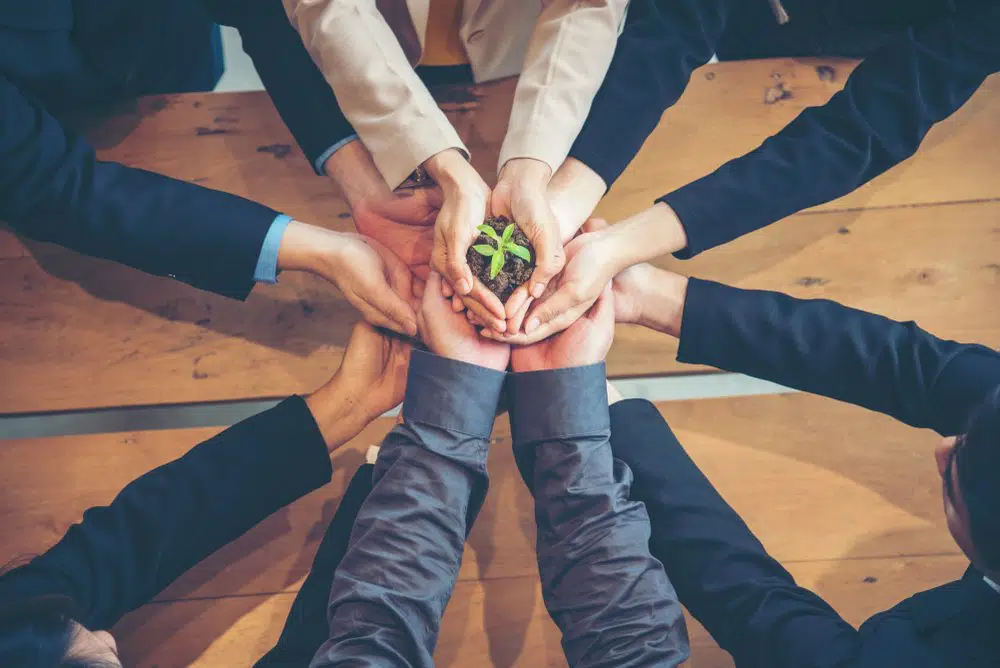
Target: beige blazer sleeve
[377,89]
[569,54]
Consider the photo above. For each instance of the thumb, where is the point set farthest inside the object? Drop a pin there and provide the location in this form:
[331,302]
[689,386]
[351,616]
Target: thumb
[413,207]
[550,308]
[395,308]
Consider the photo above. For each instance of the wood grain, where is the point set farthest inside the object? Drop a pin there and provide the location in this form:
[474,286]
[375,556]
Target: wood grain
[73,324]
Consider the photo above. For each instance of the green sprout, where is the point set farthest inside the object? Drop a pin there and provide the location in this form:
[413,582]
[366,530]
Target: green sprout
[505,244]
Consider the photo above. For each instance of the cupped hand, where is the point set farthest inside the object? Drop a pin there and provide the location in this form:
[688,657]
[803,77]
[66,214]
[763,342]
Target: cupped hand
[521,195]
[370,381]
[373,280]
[594,259]
[464,206]
[403,222]
[450,334]
[585,342]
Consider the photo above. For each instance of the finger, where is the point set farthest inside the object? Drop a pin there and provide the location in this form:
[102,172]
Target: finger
[559,323]
[376,318]
[395,308]
[447,290]
[564,299]
[411,207]
[418,288]
[458,273]
[516,321]
[517,300]
[421,271]
[595,225]
[550,258]
[489,301]
[485,315]
[604,308]
[457,305]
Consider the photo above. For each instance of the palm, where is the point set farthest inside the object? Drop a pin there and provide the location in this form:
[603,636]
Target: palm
[403,225]
[586,341]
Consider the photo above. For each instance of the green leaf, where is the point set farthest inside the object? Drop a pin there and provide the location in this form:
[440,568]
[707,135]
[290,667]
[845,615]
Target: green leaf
[496,265]
[490,232]
[484,250]
[519,251]
[508,233]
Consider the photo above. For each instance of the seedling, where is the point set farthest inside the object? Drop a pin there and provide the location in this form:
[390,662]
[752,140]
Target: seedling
[505,245]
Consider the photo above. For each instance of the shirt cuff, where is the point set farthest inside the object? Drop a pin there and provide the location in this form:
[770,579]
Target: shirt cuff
[452,395]
[267,261]
[558,404]
[320,164]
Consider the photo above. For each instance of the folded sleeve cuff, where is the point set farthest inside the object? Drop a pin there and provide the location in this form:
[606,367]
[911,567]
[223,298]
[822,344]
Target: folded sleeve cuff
[452,395]
[267,261]
[531,144]
[705,217]
[700,342]
[558,404]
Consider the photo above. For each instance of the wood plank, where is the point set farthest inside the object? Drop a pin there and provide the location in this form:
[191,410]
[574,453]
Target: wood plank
[865,485]
[72,324]
[494,623]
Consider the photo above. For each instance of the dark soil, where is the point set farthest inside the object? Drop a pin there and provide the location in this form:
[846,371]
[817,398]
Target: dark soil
[515,270]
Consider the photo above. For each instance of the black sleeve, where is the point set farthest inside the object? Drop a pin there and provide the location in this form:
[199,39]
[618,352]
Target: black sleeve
[723,575]
[888,105]
[822,347]
[297,87]
[662,43]
[120,556]
[52,188]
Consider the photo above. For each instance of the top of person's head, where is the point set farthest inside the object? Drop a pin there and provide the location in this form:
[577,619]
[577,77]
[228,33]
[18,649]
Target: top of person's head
[977,463]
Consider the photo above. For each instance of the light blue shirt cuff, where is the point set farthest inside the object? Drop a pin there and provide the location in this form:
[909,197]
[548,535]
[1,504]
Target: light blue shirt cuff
[325,155]
[267,261]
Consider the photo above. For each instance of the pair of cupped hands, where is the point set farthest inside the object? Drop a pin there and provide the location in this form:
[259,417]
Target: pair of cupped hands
[407,234]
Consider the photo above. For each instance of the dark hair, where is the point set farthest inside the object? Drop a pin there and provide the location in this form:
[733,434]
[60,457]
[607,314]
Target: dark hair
[977,460]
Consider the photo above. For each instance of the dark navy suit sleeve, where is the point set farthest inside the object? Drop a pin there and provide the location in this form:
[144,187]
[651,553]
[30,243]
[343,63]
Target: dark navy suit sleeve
[886,108]
[723,575]
[296,86]
[120,556]
[53,188]
[391,588]
[610,598]
[825,348]
[662,43]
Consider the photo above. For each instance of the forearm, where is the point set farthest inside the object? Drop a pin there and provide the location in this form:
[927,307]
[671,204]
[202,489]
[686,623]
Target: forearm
[724,576]
[879,119]
[294,83]
[825,348]
[569,53]
[662,43]
[610,598]
[391,588]
[122,555]
[381,95]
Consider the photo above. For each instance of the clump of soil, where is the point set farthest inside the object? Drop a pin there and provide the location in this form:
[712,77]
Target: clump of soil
[515,270]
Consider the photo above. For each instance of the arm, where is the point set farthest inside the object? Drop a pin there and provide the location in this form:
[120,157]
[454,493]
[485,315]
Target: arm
[53,188]
[383,98]
[822,347]
[610,598]
[390,590]
[724,576]
[663,42]
[122,555]
[567,58]
[888,105]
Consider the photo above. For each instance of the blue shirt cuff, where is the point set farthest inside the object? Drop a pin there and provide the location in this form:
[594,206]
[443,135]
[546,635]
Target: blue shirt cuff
[267,261]
[558,404]
[325,155]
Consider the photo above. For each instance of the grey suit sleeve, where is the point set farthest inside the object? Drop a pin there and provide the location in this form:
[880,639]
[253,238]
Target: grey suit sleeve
[610,598]
[391,589]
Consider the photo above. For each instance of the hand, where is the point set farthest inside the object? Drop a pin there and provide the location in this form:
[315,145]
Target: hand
[585,342]
[594,259]
[370,381]
[403,223]
[521,195]
[451,335]
[574,192]
[463,210]
[373,280]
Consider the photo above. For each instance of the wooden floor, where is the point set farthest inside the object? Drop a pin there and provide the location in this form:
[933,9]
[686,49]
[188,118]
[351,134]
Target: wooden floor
[847,500]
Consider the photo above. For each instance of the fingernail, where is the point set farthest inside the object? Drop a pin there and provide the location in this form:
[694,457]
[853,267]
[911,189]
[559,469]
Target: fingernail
[536,290]
[500,327]
[463,286]
[411,328]
[532,325]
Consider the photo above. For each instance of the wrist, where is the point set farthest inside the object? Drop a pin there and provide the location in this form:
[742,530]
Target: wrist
[448,167]
[339,417]
[662,304]
[353,170]
[574,192]
[526,172]
[311,248]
